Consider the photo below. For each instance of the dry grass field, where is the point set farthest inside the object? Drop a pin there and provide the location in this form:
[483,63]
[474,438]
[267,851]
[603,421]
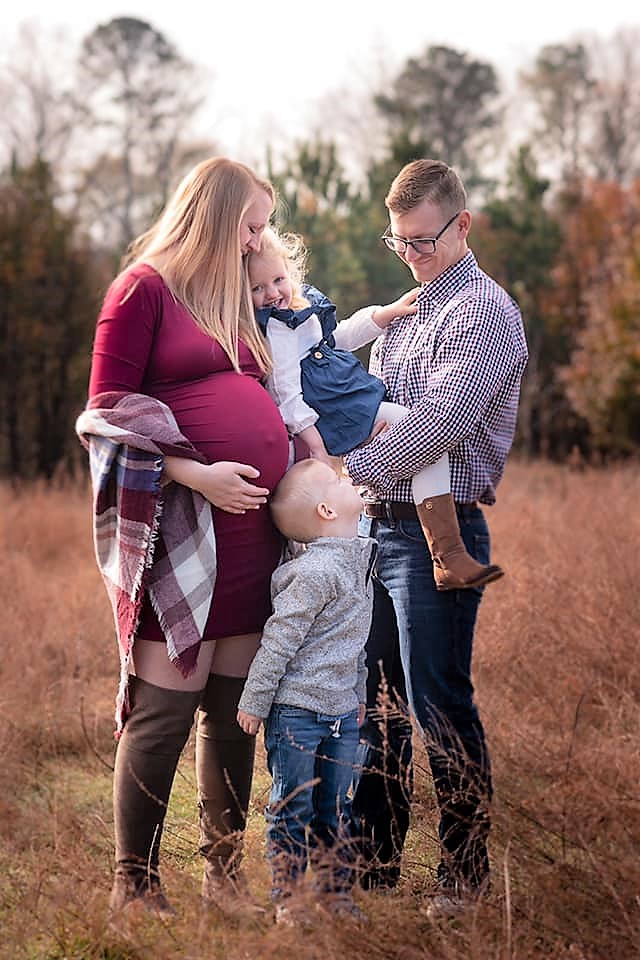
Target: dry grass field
[557,674]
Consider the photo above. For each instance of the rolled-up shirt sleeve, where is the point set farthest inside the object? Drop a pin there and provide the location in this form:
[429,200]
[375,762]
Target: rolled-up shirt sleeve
[476,355]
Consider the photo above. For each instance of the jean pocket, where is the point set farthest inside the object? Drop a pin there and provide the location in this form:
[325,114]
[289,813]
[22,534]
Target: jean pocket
[332,717]
[481,547]
[411,531]
[290,713]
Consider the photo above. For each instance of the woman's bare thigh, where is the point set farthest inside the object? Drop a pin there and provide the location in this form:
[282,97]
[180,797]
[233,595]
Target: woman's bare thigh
[151,663]
[233,655]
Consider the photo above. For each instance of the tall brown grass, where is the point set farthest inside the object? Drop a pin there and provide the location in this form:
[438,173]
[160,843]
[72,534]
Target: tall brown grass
[557,675]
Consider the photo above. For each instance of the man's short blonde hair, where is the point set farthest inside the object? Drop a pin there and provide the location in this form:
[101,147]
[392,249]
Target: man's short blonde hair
[294,501]
[429,180]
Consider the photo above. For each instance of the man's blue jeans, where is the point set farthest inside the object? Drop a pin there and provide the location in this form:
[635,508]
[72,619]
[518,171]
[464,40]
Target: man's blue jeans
[311,760]
[419,653]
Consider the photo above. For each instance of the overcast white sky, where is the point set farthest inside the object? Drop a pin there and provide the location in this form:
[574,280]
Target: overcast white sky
[271,60]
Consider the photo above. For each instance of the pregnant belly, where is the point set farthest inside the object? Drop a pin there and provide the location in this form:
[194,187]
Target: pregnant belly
[230,416]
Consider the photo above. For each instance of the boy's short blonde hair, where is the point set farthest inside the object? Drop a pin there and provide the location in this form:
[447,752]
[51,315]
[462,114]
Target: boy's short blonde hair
[291,247]
[295,499]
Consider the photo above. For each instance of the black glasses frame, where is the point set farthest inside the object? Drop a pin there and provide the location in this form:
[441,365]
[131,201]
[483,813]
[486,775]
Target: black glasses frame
[400,244]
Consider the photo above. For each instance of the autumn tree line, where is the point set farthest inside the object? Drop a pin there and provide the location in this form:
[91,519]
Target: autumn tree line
[93,142]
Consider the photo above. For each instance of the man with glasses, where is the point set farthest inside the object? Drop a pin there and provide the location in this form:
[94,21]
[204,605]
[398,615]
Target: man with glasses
[457,364]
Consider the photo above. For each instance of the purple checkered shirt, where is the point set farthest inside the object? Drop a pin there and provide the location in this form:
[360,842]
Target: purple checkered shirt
[457,364]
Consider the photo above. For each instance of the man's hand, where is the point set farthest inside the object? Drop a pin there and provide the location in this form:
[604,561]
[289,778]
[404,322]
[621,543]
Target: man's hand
[362,712]
[248,722]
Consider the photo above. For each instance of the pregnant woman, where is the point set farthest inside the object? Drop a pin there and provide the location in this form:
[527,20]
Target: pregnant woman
[185,446]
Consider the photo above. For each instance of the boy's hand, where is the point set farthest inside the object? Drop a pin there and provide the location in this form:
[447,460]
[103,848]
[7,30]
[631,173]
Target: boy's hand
[362,712]
[404,306]
[248,722]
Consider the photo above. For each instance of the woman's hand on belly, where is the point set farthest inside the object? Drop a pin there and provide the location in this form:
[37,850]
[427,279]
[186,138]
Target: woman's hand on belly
[222,483]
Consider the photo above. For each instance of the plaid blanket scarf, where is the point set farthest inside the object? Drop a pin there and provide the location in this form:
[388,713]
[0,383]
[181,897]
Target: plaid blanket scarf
[149,535]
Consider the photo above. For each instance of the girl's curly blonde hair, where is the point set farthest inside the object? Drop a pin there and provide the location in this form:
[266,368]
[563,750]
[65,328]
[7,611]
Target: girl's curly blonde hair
[291,247]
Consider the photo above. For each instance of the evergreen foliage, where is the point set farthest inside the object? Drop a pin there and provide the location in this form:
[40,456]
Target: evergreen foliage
[559,229]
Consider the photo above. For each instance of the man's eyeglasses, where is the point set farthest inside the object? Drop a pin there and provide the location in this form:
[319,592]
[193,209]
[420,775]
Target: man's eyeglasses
[421,246]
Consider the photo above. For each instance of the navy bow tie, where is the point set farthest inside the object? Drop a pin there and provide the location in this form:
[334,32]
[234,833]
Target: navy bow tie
[293,318]
[323,308]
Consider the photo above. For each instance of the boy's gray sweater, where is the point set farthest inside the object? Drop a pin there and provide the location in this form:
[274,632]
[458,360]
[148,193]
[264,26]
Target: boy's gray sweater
[312,653]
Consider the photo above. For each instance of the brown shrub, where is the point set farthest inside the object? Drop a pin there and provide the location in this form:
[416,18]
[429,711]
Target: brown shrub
[558,682]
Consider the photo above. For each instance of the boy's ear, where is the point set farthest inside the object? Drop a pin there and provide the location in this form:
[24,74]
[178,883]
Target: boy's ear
[325,512]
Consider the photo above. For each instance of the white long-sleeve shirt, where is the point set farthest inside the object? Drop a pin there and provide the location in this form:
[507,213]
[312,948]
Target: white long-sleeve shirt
[288,347]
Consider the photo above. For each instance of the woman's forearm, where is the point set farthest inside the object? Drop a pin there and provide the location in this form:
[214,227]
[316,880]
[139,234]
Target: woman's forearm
[189,473]
[226,484]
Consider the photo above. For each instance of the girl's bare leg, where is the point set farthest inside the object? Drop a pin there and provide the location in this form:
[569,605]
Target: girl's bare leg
[453,567]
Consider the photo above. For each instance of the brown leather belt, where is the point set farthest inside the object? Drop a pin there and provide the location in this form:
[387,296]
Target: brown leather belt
[399,510]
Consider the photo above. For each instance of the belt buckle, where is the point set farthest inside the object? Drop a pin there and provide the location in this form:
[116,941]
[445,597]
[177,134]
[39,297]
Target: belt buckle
[387,511]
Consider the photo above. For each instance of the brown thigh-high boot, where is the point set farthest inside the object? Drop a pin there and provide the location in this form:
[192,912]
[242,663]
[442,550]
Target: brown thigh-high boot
[224,770]
[146,760]
[453,567]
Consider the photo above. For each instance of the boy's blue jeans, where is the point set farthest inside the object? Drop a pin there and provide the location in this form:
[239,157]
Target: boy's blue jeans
[419,651]
[310,758]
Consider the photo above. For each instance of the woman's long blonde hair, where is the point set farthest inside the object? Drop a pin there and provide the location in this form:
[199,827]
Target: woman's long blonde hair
[197,239]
